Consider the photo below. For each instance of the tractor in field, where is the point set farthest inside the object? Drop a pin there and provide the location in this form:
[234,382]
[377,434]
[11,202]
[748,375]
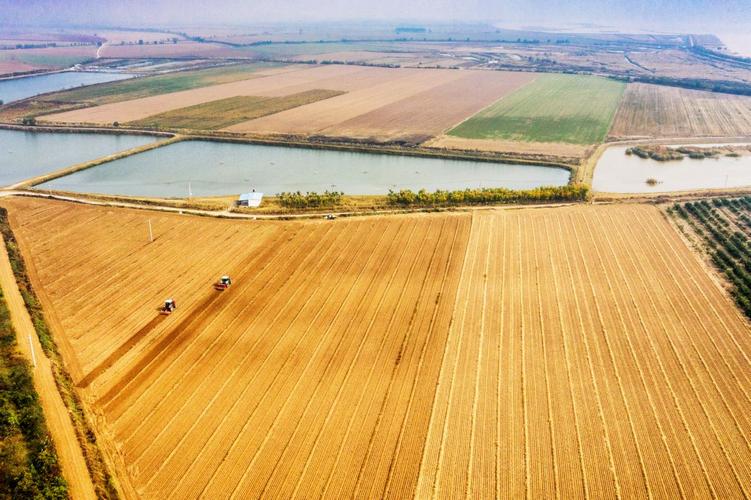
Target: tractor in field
[223,283]
[169,306]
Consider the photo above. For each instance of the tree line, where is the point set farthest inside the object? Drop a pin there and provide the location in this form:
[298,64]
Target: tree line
[487,196]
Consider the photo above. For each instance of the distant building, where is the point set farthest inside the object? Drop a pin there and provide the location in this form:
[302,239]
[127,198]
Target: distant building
[250,199]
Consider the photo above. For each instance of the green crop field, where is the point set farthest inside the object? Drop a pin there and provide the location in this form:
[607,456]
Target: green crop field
[553,108]
[225,112]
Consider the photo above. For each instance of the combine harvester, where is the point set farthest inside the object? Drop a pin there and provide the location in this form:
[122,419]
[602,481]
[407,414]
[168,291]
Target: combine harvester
[223,283]
[169,306]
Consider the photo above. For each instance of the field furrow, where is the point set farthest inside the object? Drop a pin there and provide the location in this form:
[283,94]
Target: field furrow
[558,352]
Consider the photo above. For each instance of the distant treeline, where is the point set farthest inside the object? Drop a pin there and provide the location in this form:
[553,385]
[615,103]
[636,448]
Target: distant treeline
[487,196]
[310,199]
[722,86]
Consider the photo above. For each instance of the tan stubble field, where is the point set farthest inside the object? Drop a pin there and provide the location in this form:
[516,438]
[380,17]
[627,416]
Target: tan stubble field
[576,352]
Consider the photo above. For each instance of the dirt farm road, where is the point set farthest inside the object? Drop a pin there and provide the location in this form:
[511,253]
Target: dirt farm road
[63,434]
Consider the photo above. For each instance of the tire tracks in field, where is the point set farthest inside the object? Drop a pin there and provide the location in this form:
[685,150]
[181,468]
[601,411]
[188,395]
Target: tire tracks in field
[197,366]
[228,352]
[352,363]
[249,385]
[318,345]
[168,339]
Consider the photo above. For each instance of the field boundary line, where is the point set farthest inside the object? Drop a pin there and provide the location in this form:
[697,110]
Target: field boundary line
[612,356]
[450,397]
[421,364]
[347,373]
[422,477]
[407,335]
[380,265]
[569,379]
[478,364]
[549,402]
[632,351]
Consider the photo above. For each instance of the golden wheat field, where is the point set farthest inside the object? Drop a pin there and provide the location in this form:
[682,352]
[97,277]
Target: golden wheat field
[657,111]
[542,352]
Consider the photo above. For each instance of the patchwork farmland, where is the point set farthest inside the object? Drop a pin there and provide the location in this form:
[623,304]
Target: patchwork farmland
[376,103]
[574,351]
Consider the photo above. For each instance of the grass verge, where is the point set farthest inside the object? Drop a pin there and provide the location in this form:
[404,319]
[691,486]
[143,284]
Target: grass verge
[100,476]
[29,466]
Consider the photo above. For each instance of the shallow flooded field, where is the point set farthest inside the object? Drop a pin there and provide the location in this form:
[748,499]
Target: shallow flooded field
[617,172]
[28,154]
[204,168]
[28,86]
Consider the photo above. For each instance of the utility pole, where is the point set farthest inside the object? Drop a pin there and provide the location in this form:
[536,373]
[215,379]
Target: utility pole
[33,356]
[151,233]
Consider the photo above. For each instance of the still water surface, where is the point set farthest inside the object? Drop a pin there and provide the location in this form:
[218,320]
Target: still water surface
[206,168]
[28,154]
[21,88]
[617,172]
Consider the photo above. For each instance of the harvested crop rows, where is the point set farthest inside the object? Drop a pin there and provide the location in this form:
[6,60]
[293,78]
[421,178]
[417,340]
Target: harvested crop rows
[576,351]
[657,111]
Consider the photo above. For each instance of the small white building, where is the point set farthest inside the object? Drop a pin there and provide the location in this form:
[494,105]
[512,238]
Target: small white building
[250,199]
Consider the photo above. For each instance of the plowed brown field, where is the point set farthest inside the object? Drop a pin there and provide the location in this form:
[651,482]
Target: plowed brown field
[572,352]
[657,111]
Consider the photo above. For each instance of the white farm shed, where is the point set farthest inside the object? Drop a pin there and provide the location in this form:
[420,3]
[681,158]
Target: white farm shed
[250,199]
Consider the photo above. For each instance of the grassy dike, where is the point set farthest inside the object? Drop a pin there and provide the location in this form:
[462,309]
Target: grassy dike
[100,476]
[29,466]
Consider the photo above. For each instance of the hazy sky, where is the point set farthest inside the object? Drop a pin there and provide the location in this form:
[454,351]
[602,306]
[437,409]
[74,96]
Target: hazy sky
[676,15]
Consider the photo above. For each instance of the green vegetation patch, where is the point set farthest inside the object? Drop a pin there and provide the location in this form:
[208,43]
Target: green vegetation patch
[554,108]
[125,90]
[488,196]
[29,466]
[724,225]
[225,112]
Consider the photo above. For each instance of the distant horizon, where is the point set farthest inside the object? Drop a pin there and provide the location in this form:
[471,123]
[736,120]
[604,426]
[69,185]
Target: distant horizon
[737,32]
[633,16]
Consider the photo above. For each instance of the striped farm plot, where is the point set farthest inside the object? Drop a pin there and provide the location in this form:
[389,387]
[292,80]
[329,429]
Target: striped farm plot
[553,352]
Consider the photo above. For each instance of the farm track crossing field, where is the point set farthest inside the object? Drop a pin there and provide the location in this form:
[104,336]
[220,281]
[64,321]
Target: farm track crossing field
[553,108]
[575,351]
[657,111]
